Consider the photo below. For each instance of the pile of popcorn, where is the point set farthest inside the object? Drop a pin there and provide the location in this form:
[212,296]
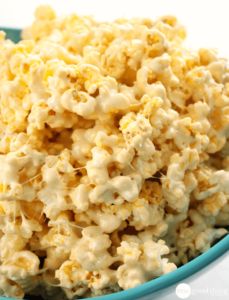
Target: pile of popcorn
[114,154]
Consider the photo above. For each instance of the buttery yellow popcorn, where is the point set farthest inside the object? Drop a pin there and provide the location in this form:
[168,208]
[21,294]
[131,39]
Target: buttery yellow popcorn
[113,154]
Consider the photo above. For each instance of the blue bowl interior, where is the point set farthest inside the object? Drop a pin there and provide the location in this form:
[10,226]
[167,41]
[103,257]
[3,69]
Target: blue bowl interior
[12,33]
[166,280]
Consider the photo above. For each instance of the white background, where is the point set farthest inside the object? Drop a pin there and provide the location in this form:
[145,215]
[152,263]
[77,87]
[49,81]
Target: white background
[207,23]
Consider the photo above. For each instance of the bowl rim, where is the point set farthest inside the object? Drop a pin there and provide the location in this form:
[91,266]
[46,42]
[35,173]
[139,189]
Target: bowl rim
[169,279]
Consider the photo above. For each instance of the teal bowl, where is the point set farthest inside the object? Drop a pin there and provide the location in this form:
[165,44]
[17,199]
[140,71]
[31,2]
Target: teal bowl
[13,34]
[148,289]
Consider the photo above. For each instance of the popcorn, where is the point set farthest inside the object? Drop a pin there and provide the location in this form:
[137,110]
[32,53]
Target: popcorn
[101,280]
[22,267]
[196,236]
[130,276]
[108,222]
[11,243]
[144,214]
[204,239]
[80,197]
[142,259]
[98,165]
[114,154]
[10,288]
[174,186]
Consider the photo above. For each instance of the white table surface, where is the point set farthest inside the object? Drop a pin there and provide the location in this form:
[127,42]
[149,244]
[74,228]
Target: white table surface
[207,25]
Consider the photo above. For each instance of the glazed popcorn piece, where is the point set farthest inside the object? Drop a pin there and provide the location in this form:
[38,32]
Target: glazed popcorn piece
[113,154]
[9,288]
[22,267]
[141,261]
